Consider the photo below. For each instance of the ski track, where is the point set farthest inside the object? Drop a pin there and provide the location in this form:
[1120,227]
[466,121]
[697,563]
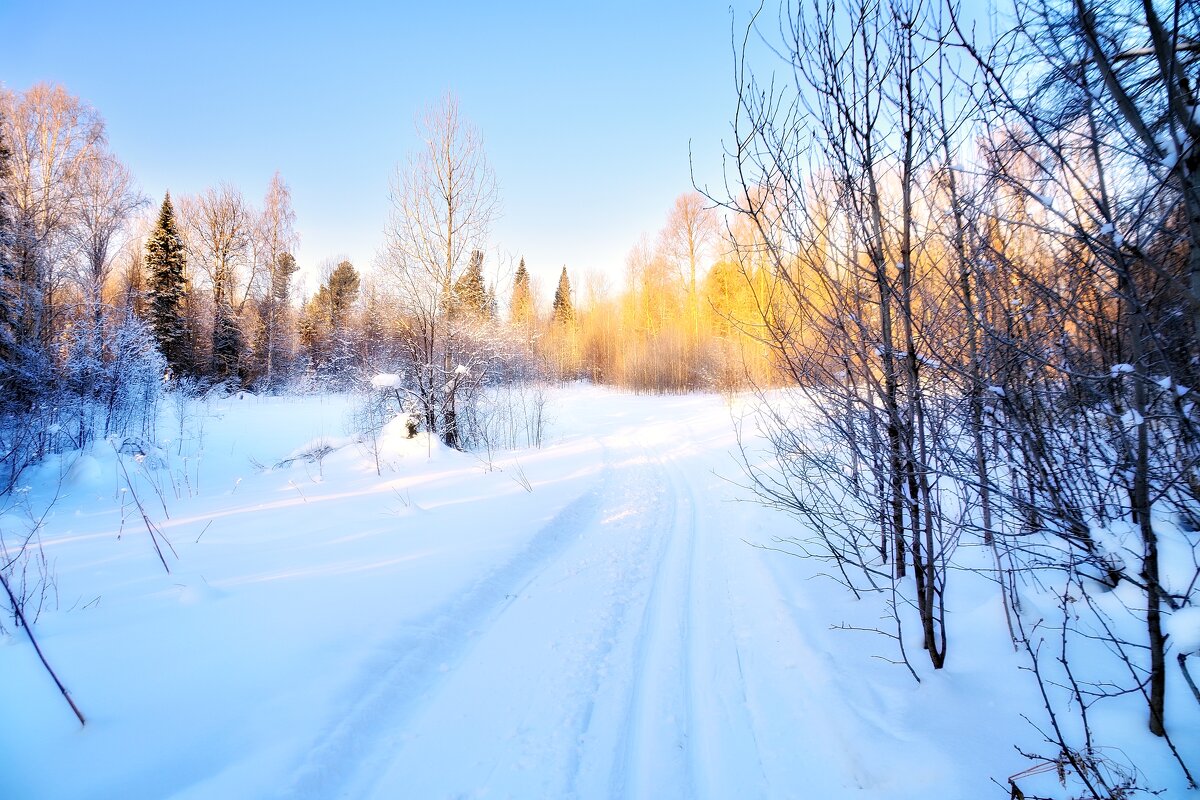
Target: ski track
[633,682]
[655,744]
[413,663]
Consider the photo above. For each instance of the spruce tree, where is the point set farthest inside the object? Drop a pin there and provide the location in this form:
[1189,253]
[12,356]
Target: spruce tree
[564,312]
[522,297]
[166,262]
[343,291]
[227,342]
[470,291]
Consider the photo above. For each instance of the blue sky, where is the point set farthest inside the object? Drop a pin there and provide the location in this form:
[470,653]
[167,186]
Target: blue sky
[586,110]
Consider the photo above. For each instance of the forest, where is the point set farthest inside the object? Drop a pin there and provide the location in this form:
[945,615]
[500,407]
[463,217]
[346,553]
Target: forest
[959,271]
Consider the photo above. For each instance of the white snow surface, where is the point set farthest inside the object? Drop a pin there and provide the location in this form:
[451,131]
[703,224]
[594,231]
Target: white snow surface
[440,631]
[385,380]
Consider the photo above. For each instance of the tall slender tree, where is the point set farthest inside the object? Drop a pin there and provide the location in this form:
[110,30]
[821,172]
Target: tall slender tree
[221,228]
[278,239]
[443,202]
[8,322]
[563,310]
[166,261]
[521,308]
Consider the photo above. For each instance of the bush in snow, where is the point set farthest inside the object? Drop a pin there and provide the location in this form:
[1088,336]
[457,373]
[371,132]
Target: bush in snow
[380,401]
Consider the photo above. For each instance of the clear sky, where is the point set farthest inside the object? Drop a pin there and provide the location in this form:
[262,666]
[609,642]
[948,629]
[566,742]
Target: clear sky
[586,110]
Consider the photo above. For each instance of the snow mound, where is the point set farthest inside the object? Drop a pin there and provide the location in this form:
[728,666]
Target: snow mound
[395,442]
[1183,626]
[85,473]
[385,380]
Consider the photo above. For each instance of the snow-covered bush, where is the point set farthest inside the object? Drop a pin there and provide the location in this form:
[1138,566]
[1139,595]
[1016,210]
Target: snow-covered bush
[380,401]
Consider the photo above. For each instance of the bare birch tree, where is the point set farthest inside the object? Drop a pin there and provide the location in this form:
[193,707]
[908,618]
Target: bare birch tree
[443,203]
[278,239]
[51,136]
[690,232]
[219,232]
[107,200]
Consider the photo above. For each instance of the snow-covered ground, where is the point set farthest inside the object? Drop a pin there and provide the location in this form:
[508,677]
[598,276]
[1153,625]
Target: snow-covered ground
[585,620]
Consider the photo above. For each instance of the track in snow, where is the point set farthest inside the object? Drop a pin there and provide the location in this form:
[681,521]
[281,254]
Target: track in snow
[601,661]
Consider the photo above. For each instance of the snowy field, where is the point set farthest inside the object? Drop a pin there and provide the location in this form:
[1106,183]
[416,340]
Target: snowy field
[584,620]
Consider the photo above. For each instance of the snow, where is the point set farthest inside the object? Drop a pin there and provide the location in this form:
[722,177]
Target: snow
[385,380]
[622,628]
[1131,419]
[1183,626]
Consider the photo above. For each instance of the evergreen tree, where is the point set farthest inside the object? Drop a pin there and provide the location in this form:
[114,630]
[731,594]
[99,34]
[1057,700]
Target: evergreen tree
[522,297]
[343,291]
[227,342]
[470,291]
[281,277]
[325,326]
[166,262]
[314,329]
[275,327]
[564,312]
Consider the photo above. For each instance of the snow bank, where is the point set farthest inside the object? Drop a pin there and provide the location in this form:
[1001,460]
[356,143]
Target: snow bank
[1183,626]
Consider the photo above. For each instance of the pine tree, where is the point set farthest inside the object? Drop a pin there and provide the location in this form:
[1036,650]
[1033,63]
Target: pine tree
[276,329]
[315,332]
[470,291]
[166,262]
[522,298]
[564,312]
[227,342]
[343,291]
[325,326]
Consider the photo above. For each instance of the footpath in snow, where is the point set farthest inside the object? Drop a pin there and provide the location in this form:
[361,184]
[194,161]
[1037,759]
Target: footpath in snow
[587,620]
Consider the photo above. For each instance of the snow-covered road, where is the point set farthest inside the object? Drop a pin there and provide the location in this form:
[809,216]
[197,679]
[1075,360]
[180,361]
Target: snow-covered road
[440,631]
[600,660]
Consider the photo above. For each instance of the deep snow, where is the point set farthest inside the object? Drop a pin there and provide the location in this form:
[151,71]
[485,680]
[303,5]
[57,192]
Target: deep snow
[441,631]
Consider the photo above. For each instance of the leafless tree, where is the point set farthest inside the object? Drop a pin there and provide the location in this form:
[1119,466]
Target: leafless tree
[220,229]
[277,238]
[988,302]
[689,234]
[443,203]
[1104,142]
[107,200]
[52,137]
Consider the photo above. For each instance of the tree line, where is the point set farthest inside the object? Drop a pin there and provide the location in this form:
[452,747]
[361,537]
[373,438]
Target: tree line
[99,284]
